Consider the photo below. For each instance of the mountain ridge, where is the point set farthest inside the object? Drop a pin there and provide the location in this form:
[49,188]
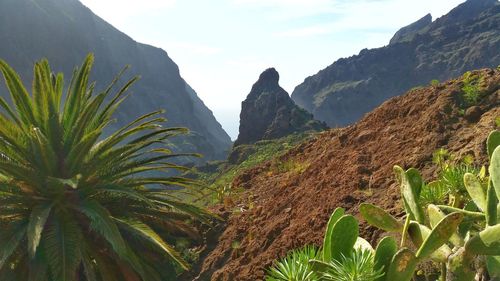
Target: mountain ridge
[65,31]
[466,38]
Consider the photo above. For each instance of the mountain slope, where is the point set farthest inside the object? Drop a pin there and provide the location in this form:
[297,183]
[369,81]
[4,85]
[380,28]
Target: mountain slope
[64,31]
[285,207]
[468,37]
[268,112]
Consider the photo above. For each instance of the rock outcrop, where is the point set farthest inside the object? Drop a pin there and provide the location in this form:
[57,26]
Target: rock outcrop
[64,31]
[467,38]
[268,112]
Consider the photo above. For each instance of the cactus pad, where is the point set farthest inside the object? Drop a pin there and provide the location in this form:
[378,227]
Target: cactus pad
[378,217]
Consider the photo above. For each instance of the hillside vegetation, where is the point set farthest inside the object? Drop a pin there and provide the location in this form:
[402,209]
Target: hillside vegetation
[217,176]
[344,167]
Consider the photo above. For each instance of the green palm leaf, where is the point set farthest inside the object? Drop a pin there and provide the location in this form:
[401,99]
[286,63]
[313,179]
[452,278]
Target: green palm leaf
[144,231]
[38,218]
[63,186]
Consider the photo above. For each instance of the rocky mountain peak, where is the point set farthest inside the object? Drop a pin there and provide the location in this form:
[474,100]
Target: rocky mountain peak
[470,9]
[268,112]
[407,32]
[269,76]
[268,80]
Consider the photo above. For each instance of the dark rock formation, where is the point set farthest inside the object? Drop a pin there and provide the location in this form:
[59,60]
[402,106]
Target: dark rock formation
[64,31]
[468,37]
[268,112]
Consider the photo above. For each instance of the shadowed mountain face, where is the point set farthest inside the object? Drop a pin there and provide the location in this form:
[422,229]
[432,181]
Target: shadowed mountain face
[268,112]
[65,31]
[466,38]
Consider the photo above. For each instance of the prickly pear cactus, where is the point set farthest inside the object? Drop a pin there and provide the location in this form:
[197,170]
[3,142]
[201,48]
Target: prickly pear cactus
[327,241]
[493,142]
[476,191]
[460,267]
[378,217]
[486,242]
[492,212]
[384,253]
[411,185]
[402,266]
[495,170]
[342,238]
[440,234]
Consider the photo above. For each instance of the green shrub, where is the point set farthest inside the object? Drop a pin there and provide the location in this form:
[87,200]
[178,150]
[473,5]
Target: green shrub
[471,93]
[359,266]
[434,82]
[291,166]
[295,266]
[449,186]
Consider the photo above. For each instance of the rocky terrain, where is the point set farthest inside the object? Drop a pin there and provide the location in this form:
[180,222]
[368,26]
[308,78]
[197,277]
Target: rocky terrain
[64,31]
[468,37]
[287,206]
[268,112]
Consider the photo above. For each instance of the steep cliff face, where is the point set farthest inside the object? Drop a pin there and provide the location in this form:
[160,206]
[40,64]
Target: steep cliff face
[64,31]
[268,112]
[468,37]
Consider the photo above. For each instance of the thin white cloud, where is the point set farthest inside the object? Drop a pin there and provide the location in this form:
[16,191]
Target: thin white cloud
[290,9]
[283,3]
[365,15]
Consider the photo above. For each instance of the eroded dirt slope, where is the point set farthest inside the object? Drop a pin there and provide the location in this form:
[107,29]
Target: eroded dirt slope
[287,201]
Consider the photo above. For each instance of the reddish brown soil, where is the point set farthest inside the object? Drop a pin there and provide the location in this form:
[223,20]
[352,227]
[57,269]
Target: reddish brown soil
[343,167]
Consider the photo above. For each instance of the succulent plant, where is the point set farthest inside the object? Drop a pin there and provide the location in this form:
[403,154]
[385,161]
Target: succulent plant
[343,249]
[465,240]
[358,266]
[295,266]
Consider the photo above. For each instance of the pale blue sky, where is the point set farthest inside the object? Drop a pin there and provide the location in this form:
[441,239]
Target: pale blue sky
[221,46]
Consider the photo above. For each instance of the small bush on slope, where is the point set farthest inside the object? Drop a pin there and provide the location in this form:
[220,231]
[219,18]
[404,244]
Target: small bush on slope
[449,186]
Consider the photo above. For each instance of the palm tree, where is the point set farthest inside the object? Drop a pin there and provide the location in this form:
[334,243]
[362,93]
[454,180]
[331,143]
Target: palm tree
[75,205]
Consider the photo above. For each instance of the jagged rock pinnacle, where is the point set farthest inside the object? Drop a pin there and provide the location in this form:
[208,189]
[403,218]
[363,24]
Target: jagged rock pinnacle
[268,112]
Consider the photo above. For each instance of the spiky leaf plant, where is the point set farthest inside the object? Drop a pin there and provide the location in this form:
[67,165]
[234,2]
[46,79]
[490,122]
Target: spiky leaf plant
[75,204]
[359,266]
[295,266]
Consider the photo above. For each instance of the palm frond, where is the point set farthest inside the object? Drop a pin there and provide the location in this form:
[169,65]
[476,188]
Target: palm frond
[63,186]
